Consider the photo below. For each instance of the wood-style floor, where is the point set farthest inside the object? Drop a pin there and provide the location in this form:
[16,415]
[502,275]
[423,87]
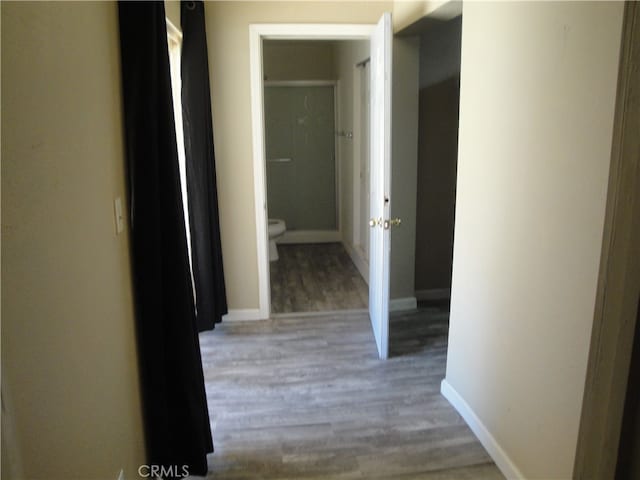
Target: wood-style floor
[308,398]
[315,277]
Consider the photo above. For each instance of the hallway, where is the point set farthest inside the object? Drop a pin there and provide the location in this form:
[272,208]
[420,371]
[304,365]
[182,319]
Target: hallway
[299,398]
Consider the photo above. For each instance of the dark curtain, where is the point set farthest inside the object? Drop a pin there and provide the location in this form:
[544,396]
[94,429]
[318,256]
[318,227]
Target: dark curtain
[206,251]
[174,401]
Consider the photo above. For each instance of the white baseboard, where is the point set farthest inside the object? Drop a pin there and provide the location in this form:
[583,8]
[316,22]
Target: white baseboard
[242,314]
[358,260]
[499,456]
[434,294]
[310,236]
[401,304]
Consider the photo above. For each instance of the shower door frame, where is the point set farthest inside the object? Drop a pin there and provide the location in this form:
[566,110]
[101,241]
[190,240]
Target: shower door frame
[322,235]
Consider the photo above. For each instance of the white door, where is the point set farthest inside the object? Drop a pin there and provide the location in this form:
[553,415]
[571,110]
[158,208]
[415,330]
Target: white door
[380,184]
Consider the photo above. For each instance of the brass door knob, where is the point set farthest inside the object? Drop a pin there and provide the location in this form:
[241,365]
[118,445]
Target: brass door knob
[394,222]
[375,221]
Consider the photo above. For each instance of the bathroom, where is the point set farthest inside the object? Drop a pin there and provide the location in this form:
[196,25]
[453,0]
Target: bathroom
[316,142]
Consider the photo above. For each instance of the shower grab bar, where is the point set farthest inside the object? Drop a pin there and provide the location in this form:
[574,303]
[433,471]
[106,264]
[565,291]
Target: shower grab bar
[278,160]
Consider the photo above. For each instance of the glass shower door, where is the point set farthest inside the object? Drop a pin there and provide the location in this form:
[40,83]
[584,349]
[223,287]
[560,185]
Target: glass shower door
[300,151]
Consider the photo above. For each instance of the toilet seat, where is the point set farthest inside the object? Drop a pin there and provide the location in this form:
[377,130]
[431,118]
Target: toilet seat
[276,227]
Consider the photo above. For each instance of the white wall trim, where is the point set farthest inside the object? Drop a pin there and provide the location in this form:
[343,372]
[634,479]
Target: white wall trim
[310,236]
[402,304]
[282,31]
[243,314]
[434,294]
[313,31]
[259,168]
[499,456]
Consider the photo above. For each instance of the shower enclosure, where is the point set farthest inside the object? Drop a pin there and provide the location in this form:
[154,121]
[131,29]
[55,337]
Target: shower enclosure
[301,158]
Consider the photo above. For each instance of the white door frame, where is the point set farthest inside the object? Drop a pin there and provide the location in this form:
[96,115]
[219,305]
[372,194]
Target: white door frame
[275,31]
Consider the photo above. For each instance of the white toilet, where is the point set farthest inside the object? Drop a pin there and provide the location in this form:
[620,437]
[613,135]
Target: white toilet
[277,227]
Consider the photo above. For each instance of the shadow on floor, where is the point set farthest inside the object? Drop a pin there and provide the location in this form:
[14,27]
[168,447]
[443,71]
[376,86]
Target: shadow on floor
[416,331]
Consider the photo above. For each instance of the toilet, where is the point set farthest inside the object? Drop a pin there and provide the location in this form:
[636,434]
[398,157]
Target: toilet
[277,227]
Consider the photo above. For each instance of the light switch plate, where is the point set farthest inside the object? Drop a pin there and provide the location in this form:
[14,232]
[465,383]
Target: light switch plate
[117,203]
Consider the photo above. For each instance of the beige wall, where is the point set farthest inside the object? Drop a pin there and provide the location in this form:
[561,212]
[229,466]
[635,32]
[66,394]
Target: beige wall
[536,115]
[68,350]
[228,43]
[298,60]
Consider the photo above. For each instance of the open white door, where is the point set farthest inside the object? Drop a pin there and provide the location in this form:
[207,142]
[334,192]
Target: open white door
[380,184]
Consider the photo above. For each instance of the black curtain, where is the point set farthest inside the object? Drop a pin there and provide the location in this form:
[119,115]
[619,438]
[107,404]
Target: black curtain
[174,400]
[206,251]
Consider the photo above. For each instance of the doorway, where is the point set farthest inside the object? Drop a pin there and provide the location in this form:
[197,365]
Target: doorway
[379,38]
[439,98]
[308,138]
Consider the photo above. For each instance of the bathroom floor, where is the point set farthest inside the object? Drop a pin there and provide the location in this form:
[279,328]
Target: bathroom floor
[316,277]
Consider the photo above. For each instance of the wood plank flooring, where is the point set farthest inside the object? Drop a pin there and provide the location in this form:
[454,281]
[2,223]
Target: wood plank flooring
[315,278]
[307,398]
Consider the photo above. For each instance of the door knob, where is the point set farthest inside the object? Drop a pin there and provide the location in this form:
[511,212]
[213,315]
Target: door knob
[394,222]
[375,221]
